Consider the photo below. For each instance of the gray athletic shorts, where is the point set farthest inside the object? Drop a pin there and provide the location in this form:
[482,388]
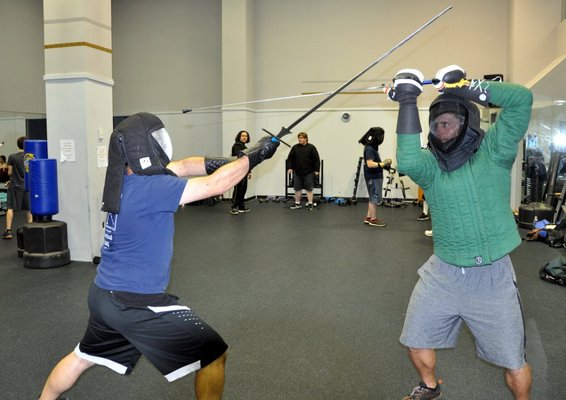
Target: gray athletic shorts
[485,298]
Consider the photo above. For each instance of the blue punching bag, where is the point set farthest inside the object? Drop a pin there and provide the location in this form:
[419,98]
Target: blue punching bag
[44,240]
[44,199]
[33,150]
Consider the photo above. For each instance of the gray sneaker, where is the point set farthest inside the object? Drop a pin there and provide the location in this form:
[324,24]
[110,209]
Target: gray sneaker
[376,222]
[423,392]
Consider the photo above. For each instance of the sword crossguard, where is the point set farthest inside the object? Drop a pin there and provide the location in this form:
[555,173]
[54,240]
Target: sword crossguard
[278,137]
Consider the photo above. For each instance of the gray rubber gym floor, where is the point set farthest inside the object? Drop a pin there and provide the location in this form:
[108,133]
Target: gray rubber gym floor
[310,302]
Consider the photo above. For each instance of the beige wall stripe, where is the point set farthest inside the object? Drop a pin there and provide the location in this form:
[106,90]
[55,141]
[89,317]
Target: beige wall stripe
[76,44]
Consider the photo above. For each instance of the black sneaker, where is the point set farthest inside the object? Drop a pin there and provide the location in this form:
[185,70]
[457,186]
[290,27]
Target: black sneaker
[7,234]
[423,392]
[310,206]
[243,210]
[423,217]
[296,206]
[234,211]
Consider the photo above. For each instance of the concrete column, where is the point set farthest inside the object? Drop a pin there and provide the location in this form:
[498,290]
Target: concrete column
[78,83]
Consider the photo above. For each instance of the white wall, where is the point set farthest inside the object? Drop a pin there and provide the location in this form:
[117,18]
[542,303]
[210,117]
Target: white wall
[533,35]
[11,128]
[195,133]
[328,42]
[336,141]
[21,46]
[167,55]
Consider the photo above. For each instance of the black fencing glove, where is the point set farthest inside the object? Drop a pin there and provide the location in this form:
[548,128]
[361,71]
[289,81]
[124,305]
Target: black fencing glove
[407,86]
[452,80]
[262,150]
[211,164]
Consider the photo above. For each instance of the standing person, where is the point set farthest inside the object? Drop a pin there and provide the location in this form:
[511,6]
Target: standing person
[4,176]
[425,217]
[130,312]
[466,177]
[239,196]
[304,163]
[18,197]
[373,173]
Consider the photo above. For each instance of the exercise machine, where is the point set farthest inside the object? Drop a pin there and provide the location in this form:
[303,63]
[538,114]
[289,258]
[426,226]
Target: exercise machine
[394,193]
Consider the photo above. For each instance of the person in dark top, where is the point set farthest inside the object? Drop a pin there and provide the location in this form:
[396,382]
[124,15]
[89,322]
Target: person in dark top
[304,163]
[239,196]
[373,173]
[18,198]
[4,176]
[131,314]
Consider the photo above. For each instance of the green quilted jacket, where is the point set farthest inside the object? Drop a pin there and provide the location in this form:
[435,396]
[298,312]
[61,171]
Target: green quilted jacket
[472,219]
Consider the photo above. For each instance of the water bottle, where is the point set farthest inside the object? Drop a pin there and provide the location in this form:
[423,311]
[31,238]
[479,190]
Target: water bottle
[535,221]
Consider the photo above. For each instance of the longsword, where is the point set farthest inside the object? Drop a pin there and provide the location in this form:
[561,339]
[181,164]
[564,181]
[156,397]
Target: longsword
[285,131]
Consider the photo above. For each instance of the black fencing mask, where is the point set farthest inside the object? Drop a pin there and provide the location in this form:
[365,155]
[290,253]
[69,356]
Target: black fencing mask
[141,142]
[462,115]
[374,137]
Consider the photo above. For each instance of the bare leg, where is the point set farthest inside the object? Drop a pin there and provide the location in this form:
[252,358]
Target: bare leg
[519,382]
[372,210]
[310,197]
[209,381]
[298,197]
[424,361]
[29,217]
[9,218]
[64,376]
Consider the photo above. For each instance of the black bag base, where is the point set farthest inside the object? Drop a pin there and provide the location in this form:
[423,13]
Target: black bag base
[528,212]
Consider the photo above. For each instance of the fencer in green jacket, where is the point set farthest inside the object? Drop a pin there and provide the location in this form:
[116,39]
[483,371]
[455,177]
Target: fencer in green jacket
[466,178]
[469,192]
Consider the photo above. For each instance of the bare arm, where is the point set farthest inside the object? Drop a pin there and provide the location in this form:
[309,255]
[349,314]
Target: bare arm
[190,166]
[374,164]
[217,183]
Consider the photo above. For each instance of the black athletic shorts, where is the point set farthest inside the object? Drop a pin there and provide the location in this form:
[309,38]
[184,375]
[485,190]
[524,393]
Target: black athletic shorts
[18,200]
[123,326]
[303,182]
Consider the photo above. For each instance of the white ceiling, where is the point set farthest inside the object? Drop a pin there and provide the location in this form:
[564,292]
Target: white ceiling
[550,85]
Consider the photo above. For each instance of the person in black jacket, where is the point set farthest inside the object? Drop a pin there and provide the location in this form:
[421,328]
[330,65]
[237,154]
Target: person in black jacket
[303,161]
[238,198]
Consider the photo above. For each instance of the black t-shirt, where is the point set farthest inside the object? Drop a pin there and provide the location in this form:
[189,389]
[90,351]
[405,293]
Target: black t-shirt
[303,159]
[17,162]
[4,177]
[372,154]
